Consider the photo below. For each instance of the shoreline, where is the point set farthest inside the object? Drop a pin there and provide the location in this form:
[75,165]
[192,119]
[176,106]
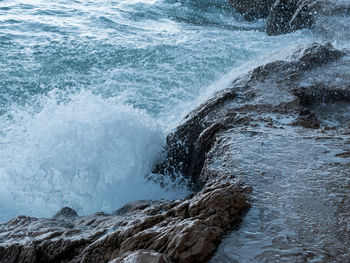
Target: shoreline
[190,230]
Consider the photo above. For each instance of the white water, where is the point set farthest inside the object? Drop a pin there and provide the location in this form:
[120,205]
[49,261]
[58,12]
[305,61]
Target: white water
[89,89]
[88,153]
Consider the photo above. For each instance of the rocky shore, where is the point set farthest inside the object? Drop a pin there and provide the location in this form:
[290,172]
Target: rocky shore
[293,86]
[153,231]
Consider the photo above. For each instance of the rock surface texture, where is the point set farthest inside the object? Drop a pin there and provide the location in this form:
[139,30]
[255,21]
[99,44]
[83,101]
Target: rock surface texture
[145,231]
[190,230]
[277,86]
[294,111]
[285,16]
[252,9]
[289,15]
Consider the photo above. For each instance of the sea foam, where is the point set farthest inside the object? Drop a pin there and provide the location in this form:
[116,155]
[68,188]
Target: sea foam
[88,153]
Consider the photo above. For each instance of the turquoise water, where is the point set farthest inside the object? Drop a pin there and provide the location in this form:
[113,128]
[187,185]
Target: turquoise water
[89,90]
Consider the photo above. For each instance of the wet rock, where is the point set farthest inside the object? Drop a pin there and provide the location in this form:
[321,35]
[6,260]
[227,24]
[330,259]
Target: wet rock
[141,256]
[289,15]
[281,83]
[158,231]
[188,145]
[307,119]
[66,212]
[133,206]
[317,94]
[189,230]
[252,9]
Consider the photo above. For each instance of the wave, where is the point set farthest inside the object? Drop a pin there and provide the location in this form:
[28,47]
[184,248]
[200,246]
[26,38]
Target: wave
[85,152]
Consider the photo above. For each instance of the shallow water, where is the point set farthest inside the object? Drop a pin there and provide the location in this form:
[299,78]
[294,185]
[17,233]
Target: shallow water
[89,89]
[301,192]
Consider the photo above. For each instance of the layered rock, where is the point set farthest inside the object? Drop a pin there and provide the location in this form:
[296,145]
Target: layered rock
[146,231]
[276,86]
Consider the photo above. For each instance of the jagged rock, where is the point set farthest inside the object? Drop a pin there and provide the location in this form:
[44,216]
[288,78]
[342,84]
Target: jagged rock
[161,231]
[289,15]
[137,205]
[193,139]
[252,9]
[281,83]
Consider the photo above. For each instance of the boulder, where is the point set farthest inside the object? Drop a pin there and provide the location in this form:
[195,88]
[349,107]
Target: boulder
[287,16]
[187,230]
[252,9]
[66,212]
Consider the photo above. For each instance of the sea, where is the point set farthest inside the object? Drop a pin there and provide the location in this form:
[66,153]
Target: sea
[89,89]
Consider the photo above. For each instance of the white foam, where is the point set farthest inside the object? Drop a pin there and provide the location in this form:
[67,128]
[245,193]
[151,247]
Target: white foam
[90,154]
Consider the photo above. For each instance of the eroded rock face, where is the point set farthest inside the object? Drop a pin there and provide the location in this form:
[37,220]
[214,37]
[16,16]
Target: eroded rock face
[276,86]
[158,231]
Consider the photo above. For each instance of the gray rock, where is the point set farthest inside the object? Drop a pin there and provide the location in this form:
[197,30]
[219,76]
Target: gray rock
[66,212]
[252,9]
[189,145]
[287,16]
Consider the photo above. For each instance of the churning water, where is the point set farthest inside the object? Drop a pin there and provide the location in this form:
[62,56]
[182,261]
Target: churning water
[89,89]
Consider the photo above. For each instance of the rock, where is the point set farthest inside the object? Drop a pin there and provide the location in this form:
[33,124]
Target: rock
[307,119]
[287,16]
[133,206]
[188,146]
[293,89]
[182,231]
[141,256]
[66,212]
[252,9]
[278,82]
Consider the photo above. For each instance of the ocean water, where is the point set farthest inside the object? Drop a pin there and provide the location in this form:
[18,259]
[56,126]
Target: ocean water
[89,90]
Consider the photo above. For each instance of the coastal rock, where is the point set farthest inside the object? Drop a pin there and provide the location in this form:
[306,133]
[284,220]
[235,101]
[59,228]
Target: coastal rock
[279,82]
[324,16]
[252,9]
[141,256]
[66,212]
[287,16]
[159,231]
[188,146]
[293,88]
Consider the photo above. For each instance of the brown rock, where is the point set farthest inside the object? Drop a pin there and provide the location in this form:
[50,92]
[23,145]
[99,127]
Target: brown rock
[307,119]
[66,212]
[158,231]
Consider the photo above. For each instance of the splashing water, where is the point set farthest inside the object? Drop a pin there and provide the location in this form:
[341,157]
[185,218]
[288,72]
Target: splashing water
[88,90]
